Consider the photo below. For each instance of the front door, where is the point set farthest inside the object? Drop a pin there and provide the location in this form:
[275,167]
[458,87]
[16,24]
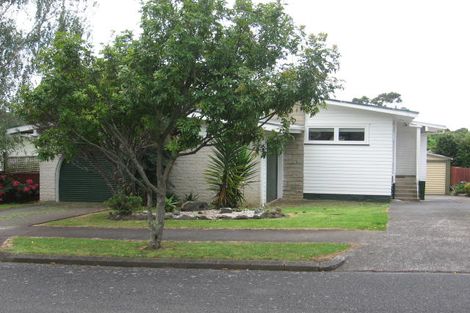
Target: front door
[272,177]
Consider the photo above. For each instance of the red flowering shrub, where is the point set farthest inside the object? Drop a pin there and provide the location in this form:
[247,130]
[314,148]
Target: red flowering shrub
[12,190]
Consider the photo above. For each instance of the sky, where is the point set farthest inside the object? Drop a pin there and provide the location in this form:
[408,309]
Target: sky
[418,48]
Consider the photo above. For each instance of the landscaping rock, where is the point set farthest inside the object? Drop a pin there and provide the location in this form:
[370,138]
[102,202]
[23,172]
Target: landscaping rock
[203,217]
[190,206]
[226,210]
[184,217]
[272,213]
[241,217]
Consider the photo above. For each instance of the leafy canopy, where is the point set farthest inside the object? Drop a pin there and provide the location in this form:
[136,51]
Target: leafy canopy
[381,100]
[454,144]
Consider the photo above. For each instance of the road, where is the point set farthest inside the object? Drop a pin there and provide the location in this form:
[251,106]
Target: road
[54,288]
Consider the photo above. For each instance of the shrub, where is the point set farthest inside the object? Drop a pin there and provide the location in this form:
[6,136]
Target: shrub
[191,197]
[458,189]
[171,202]
[467,189]
[13,190]
[231,168]
[124,205]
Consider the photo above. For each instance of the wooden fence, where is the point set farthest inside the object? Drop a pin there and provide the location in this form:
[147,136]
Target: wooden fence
[459,174]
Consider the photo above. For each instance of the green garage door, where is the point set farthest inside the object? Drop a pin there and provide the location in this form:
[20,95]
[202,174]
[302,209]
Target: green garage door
[79,181]
[271,177]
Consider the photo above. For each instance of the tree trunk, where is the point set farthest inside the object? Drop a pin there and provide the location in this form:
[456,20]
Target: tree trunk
[156,224]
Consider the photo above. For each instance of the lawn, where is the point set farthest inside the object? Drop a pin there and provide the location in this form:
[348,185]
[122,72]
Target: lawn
[174,250]
[303,215]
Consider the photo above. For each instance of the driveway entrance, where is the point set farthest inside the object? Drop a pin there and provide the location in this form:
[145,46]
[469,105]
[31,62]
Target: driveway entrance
[431,235]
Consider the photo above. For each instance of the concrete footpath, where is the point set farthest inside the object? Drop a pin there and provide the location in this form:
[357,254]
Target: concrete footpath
[206,234]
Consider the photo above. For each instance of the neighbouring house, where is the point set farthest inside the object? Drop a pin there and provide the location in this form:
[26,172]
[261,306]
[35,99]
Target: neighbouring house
[23,159]
[438,174]
[346,151]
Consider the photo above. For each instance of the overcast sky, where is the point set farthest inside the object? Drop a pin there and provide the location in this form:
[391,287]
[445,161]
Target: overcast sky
[418,48]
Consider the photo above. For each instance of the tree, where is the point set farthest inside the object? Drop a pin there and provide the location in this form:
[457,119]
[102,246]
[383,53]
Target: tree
[26,26]
[199,71]
[454,144]
[361,100]
[381,100]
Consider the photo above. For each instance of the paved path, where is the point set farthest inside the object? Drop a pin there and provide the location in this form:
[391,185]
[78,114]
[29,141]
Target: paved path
[83,289]
[207,235]
[18,221]
[431,235]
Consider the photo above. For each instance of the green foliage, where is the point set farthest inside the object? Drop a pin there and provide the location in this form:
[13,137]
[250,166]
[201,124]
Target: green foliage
[228,64]
[124,205]
[458,189]
[454,144]
[26,26]
[191,197]
[381,100]
[171,203]
[467,189]
[231,168]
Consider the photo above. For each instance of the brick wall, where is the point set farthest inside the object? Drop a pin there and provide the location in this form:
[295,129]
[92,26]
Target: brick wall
[188,176]
[47,174]
[294,169]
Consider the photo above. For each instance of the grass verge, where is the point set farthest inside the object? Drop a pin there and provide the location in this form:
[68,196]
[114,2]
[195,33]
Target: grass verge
[174,250]
[304,215]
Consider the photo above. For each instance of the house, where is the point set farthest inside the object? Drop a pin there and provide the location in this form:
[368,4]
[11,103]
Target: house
[346,151]
[22,159]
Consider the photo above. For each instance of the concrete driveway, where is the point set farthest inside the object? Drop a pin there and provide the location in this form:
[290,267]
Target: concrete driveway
[17,221]
[431,235]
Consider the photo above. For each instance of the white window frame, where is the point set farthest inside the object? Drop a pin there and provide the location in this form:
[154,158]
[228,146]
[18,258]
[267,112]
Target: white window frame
[336,140]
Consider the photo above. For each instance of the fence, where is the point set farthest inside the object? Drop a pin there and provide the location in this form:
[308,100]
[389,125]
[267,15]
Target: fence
[24,164]
[459,174]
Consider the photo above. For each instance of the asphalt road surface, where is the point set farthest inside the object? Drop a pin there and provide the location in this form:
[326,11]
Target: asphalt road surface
[54,288]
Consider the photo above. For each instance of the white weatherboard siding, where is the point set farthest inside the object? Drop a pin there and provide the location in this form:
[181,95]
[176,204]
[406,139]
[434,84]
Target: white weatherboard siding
[406,150]
[350,169]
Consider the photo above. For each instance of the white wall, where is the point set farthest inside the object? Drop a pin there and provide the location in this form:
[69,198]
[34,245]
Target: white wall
[406,150]
[350,169]
[26,148]
[423,152]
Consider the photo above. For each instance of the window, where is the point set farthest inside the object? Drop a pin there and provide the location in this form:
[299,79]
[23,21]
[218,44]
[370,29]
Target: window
[321,134]
[352,134]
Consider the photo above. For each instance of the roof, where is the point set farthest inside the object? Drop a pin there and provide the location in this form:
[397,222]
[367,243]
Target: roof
[23,130]
[430,128]
[374,108]
[439,156]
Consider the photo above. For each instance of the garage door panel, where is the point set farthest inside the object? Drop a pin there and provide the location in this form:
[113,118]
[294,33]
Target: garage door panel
[79,182]
[436,178]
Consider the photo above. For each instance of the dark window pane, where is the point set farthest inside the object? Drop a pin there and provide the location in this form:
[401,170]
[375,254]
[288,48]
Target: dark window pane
[327,134]
[351,134]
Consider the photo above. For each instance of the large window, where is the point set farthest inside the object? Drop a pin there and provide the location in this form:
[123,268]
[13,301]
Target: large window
[321,134]
[338,135]
[352,134]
